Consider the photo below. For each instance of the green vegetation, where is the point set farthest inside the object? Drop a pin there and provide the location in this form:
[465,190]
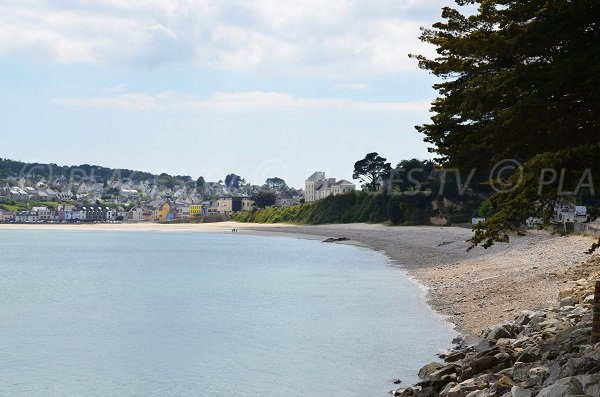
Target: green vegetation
[11,205]
[372,170]
[519,81]
[395,208]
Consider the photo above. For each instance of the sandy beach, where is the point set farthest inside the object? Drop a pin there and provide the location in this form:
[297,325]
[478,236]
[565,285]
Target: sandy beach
[475,289]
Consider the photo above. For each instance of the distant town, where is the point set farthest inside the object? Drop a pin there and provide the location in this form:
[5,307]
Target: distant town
[36,198]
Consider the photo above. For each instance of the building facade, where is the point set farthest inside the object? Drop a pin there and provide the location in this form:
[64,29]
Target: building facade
[318,186]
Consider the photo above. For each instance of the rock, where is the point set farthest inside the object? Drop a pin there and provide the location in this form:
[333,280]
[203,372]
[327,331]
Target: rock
[588,300]
[428,369]
[447,388]
[523,318]
[505,341]
[590,384]
[456,391]
[538,374]
[453,357]
[549,323]
[504,382]
[396,381]
[479,365]
[335,239]
[565,293]
[581,335]
[441,373]
[520,371]
[529,355]
[478,393]
[498,331]
[426,392]
[408,392]
[518,391]
[568,301]
[563,388]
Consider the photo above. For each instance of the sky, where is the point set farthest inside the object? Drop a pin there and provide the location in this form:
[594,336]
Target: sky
[260,88]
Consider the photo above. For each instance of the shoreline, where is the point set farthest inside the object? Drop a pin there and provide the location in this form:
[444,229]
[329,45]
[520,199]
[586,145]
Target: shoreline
[472,290]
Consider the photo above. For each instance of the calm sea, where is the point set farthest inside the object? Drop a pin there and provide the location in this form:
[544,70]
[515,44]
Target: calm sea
[183,314]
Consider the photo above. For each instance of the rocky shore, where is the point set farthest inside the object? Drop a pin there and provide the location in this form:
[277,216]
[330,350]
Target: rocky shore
[543,353]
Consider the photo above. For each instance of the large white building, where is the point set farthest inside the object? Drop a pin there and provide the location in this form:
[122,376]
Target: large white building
[317,187]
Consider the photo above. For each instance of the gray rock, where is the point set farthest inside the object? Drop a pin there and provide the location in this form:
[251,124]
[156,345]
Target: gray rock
[518,391]
[529,355]
[446,389]
[498,331]
[539,373]
[429,369]
[482,364]
[588,300]
[563,388]
[456,391]
[524,317]
[426,392]
[520,371]
[478,393]
[568,301]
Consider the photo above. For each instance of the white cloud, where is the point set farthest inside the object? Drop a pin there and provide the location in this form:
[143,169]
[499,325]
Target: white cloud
[351,86]
[238,101]
[334,37]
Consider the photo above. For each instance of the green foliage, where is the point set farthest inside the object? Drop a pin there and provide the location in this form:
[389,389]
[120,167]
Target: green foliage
[234,181]
[519,78]
[265,199]
[518,81]
[533,193]
[348,208]
[485,209]
[371,170]
[277,184]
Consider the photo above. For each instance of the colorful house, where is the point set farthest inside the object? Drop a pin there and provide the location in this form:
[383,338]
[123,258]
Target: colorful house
[195,211]
[163,212]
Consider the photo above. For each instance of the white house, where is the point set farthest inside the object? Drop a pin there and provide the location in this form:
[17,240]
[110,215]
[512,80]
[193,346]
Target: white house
[317,187]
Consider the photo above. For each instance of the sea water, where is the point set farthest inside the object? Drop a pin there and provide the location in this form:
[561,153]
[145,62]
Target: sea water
[195,314]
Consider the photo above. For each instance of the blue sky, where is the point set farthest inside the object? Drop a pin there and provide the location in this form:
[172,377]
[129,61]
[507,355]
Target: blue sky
[208,87]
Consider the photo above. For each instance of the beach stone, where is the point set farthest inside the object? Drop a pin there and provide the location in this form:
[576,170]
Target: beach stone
[478,393]
[453,357]
[440,373]
[456,391]
[563,388]
[588,300]
[536,318]
[498,331]
[504,382]
[565,293]
[590,384]
[428,369]
[539,373]
[518,391]
[520,371]
[567,302]
[426,392]
[524,317]
[446,389]
[529,355]
[505,341]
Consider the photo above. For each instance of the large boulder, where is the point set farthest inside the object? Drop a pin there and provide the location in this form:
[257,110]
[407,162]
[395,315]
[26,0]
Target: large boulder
[499,331]
[428,369]
[566,387]
[518,391]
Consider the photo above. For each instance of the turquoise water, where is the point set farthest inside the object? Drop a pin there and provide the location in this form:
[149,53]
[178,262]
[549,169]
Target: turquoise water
[183,314]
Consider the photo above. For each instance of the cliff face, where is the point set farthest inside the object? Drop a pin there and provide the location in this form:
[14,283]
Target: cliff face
[546,353]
